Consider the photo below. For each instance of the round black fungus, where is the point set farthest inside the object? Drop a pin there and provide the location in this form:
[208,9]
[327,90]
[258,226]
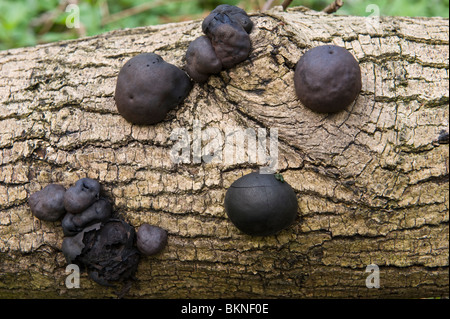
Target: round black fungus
[327,79]
[201,60]
[100,211]
[108,252]
[82,195]
[261,204]
[148,87]
[151,239]
[226,13]
[47,204]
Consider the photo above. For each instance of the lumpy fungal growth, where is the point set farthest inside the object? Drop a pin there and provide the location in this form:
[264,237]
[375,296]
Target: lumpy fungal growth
[226,13]
[226,44]
[231,44]
[106,247]
[151,239]
[148,87]
[48,203]
[327,79]
[261,204]
[100,211]
[73,245]
[82,195]
[107,251]
[202,60]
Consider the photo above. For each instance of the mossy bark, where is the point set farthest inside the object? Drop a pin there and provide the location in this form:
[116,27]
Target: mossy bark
[371,182]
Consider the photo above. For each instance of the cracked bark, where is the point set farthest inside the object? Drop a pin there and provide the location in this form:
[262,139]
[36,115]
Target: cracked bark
[372,181]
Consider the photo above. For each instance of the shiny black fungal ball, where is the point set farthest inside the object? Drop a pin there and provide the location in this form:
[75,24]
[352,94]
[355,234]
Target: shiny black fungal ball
[48,203]
[261,204]
[151,239]
[148,87]
[327,79]
[82,195]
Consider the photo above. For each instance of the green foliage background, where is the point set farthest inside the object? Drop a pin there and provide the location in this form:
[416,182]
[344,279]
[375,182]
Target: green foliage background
[30,22]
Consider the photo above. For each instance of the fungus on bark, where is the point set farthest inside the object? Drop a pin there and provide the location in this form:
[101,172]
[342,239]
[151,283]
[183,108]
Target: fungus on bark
[48,203]
[104,246]
[151,239]
[148,87]
[226,13]
[230,42]
[106,251]
[327,79]
[201,60]
[100,211]
[261,204]
[73,246]
[82,195]
[226,44]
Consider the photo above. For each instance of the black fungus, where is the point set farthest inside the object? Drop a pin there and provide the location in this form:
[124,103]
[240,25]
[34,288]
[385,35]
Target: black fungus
[231,44]
[108,253]
[261,204]
[443,137]
[103,246]
[48,203]
[201,60]
[226,14]
[327,79]
[226,44]
[82,195]
[227,27]
[73,246]
[151,239]
[148,87]
[100,211]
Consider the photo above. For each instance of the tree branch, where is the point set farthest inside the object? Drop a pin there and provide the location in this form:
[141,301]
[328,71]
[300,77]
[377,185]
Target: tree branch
[286,4]
[333,7]
[371,181]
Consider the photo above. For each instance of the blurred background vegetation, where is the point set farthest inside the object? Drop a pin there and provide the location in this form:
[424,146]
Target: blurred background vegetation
[30,22]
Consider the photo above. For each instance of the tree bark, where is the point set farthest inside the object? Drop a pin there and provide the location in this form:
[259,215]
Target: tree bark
[371,181]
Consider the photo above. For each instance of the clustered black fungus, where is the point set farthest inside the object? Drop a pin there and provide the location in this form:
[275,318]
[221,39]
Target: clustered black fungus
[327,79]
[226,43]
[148,87]
[109,253]
[72,246]
[261,204]
[105,246]
[202,60]
[82,195]
[99,211]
